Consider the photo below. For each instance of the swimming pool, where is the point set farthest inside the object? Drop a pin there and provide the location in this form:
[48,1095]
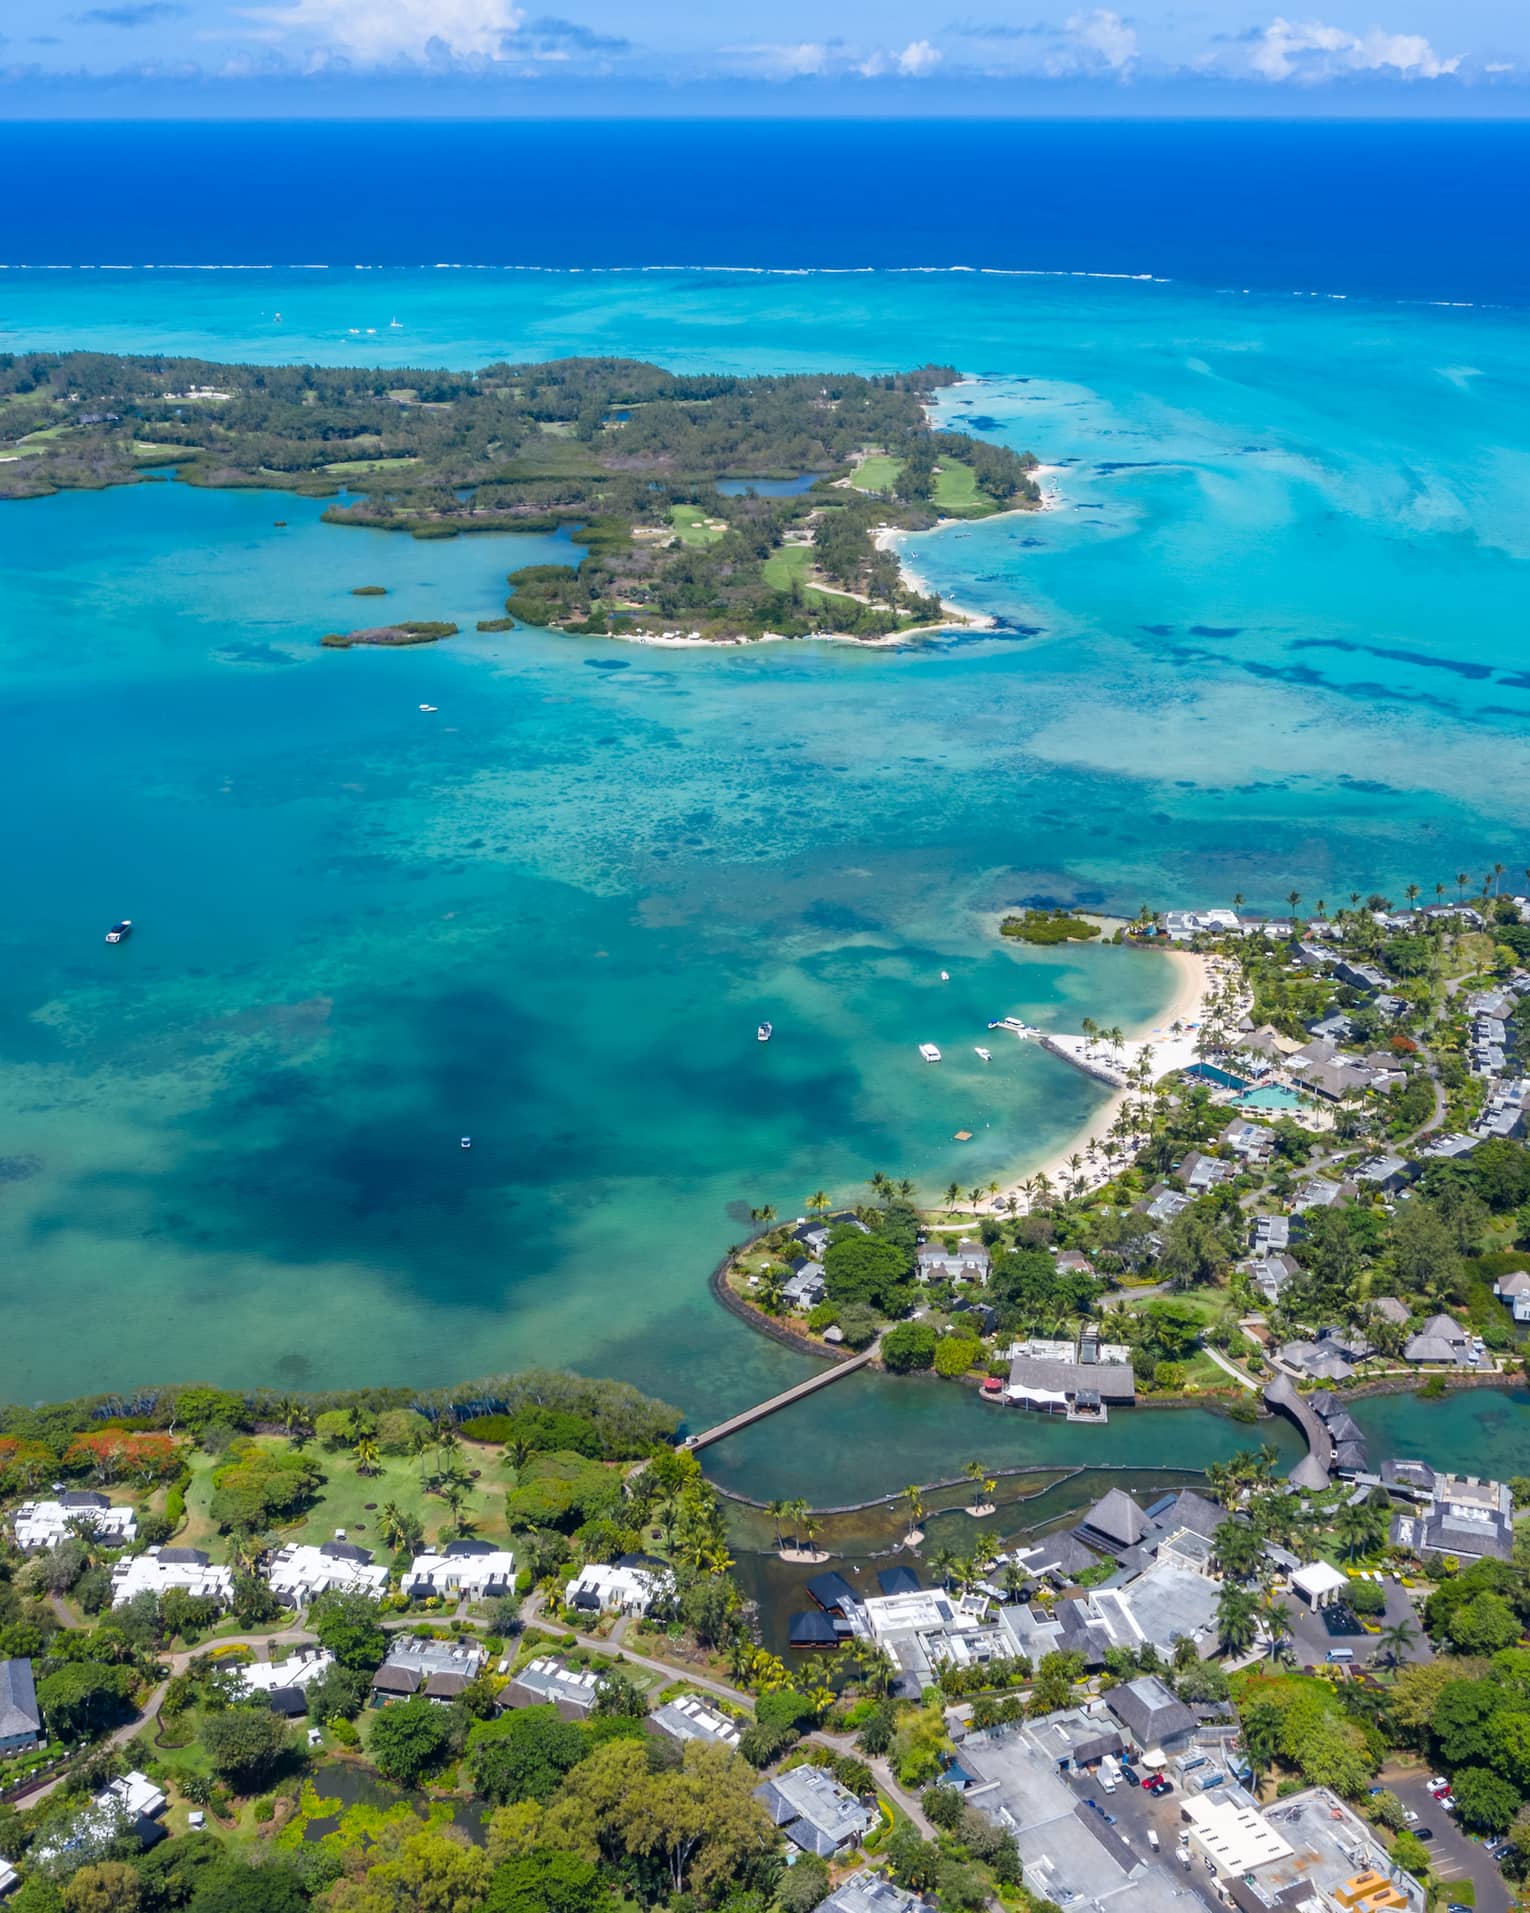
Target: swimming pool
[1218,1078]
[1270,1096]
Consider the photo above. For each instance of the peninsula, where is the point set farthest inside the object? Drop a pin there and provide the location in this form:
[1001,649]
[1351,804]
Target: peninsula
[705,508]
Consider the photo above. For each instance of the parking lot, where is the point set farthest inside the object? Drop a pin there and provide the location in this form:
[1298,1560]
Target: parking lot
[1313,1641]
[1135,1811]
[1453,1856]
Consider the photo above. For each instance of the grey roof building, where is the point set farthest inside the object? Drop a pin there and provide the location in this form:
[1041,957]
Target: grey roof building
[870,1893]
[20,1719]
[1150,1713]
[1390,1310]
[545,1681]
[1441,1339]
[814,1811]
[1115,1522]
[688,1718]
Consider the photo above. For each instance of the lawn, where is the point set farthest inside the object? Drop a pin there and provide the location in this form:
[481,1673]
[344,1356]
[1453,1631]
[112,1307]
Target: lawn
[956,492]
[690,521]
[879,473]
[346,467]
[789,565]
[343,1501]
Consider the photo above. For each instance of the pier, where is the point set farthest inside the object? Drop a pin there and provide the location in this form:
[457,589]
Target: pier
[784,1400]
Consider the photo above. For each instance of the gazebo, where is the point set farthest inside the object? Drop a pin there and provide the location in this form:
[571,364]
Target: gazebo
[1319,1583]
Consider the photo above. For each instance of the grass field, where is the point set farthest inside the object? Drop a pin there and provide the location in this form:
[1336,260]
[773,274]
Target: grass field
[956,492]
[690,522]
[344,467]
[879,473]
[789,565]
[343,1500]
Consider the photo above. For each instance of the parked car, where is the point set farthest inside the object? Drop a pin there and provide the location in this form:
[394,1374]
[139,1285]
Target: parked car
[1423,1833]
[1439,1785]
[1160,1786]
[1410,1816]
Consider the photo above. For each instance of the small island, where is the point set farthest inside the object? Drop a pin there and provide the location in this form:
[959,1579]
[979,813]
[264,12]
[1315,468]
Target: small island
[416,631]
[703,509]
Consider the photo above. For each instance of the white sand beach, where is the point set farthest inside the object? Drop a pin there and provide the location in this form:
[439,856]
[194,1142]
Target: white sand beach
[1169,1043]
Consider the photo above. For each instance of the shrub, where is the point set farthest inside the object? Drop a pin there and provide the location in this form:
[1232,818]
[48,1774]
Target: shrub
[911,1345]
[955,1354]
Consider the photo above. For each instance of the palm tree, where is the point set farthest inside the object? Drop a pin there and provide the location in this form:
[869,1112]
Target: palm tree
[881,1184]
[915,1502]
[1276,1617]
[391,1521]
[1237,1620]
[766,1213]
[906,1190]
[1461,882]
[942,1560]
[974,1196]
[1293,897]
[798,1511]
[1238,900]
[820,1201]
[1395,1640]
[368,1456]
[953,1192]
[810,1528]
[454,1493]
[777,1512]
[1410,891]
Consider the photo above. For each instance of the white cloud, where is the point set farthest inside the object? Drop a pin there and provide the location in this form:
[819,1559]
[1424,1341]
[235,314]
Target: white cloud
[1312,50]
[918,58]
[375,32]
[1104,37]
[805,57]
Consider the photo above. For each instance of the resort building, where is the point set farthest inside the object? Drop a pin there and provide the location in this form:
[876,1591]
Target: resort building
[1460,1515]
[691,1719]
[814,1811]
[1319,1584]
[159,1569]
[925,1629]
[297,1573]
[1514,1291]
[20,1717]
[599,1589]
[438,1670]
[1114,1524]
[545,1681]
[1081,1380]
[806,1287]
[284,1685]
[130,1806]
[461,1571]
[1332,1862]
[44,1524]
[870,1893]
[1443,1341]
[967,1262]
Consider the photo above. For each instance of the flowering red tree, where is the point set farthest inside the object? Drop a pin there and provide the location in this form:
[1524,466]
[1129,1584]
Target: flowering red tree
[116,1454]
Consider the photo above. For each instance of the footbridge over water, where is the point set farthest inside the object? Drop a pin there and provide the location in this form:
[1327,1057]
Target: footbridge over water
[1313,1471]
[749,1416]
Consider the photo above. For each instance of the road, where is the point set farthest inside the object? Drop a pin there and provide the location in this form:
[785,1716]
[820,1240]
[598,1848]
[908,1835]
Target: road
[1452,1856]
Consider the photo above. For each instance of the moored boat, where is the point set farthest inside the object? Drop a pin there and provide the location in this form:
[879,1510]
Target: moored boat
[764,1033]
[986,1055]
[120,932]
[929,1052]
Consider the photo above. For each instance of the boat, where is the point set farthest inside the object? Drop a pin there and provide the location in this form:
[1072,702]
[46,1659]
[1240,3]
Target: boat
[467,1142]
[1014,1026]
[120,932]
[985,1054]
[929,1052]
[764,1033]
[945,976]
[395,325]
[429,707]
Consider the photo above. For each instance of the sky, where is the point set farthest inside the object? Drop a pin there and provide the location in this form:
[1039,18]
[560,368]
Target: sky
[1424,58]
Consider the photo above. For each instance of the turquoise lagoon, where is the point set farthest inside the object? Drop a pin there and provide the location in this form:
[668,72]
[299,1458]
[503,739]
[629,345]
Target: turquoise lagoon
[1267,637]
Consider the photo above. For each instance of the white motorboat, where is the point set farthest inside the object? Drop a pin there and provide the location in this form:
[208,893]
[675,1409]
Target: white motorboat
[929,1052]
[945,976]
[764,1033]
[120,932]
[985,1054]
[467,1142]
[429,707]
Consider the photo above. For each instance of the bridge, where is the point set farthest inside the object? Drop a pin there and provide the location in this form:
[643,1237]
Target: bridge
[1313,1470]
[749,1416]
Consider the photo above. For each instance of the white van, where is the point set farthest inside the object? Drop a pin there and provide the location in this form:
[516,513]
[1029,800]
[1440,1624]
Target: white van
[1110,1773]
[1341,1654]
[1153,1838]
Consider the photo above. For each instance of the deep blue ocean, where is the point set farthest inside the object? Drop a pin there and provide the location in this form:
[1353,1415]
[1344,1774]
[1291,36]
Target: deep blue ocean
[1385,210]
[1270,634]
